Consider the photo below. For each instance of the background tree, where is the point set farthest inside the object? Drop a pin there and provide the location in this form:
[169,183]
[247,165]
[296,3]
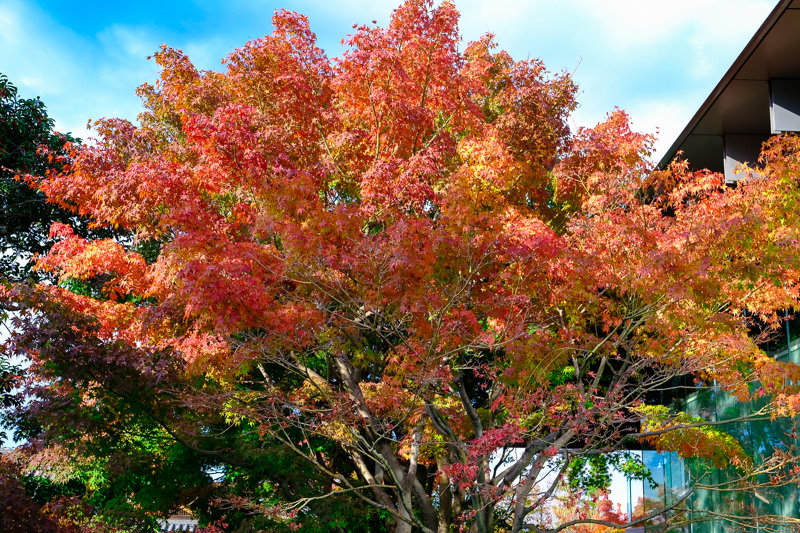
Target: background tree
[28,145]
[25,215]
[397,282]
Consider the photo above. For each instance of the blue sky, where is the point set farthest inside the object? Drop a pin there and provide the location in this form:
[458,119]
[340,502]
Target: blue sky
[658,60]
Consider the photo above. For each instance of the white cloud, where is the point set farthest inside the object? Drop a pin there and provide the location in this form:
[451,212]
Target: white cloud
[615,25]
[128,42]
[9,22]
[207,54]
[655,59]
[78,77]
[665,118]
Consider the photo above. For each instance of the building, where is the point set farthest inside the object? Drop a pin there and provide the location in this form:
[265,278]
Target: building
[181,521]
[758,96]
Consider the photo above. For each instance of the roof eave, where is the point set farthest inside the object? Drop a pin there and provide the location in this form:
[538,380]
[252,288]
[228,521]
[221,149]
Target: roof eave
[726,79]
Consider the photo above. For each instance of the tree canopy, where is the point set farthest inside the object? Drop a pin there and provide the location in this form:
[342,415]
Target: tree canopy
[394,290]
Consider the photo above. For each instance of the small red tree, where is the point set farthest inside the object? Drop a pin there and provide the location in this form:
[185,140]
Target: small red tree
[403,267]
[597,506]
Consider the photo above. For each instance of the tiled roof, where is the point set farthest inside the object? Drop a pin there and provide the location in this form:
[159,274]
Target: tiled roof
[179,527]
[180,522]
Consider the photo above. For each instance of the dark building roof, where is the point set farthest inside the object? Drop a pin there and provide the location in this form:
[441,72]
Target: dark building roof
[758,96]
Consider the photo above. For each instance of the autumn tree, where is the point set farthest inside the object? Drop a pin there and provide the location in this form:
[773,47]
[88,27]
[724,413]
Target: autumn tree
[397,281]
[596,506]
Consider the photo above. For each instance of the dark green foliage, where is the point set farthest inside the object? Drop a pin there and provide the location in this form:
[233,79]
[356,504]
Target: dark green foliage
[592,473]
[43,490]
[30,146]
[25,130]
